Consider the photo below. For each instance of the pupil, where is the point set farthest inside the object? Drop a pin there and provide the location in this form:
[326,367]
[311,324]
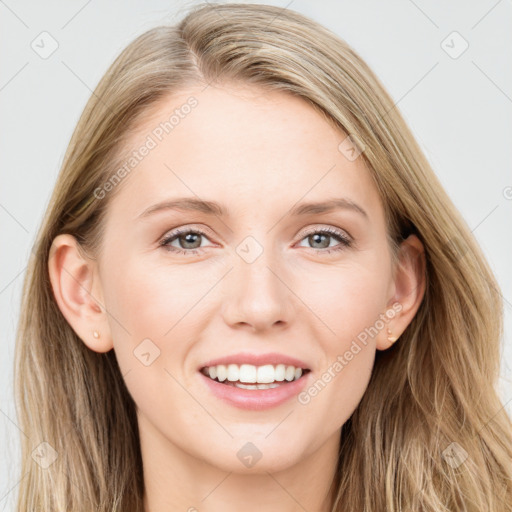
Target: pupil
[316,237]
[189,239]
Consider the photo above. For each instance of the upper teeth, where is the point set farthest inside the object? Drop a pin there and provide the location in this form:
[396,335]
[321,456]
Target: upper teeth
[249,373]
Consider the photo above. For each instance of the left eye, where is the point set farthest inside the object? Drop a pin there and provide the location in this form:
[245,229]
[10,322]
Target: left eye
[315,237]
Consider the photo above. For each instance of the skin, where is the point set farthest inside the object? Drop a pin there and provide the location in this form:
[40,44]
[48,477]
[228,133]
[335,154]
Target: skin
[257,154]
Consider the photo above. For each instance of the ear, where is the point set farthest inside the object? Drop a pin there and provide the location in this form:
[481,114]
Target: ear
[77,289]
[409,288]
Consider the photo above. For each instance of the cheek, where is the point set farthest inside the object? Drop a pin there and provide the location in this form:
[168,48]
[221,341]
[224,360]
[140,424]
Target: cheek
[157,308]
[349,301]
[151,317]
[150,299]
[147,308]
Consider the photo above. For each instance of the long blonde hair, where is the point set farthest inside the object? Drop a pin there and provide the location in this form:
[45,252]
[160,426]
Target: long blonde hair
[430,433]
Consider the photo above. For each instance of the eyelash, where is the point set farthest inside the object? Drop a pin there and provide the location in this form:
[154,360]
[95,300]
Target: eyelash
[345,242]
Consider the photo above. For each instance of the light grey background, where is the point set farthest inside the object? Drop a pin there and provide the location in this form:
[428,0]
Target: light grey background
[460,110]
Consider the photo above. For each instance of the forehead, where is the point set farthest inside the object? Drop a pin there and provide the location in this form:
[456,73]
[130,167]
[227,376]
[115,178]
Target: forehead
[242,146]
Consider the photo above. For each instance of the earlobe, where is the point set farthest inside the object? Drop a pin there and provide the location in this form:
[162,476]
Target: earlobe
[77,291]
[409,285]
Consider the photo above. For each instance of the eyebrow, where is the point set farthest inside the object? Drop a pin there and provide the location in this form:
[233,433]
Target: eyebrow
[213,208]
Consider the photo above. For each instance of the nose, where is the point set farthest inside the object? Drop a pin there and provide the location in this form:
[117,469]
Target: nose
[257,295]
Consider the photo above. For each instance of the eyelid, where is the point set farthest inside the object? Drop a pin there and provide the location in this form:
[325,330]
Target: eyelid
[330,229]
[183,228]
[175,232]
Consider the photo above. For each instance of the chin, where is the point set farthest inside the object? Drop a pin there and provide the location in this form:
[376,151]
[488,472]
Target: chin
[256,455]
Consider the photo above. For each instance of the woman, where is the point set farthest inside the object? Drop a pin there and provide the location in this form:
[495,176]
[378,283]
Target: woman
[250,292]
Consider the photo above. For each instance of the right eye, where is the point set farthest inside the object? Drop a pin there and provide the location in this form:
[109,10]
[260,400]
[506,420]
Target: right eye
[183,237]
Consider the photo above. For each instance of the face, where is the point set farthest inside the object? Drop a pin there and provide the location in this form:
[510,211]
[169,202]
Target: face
[266,282]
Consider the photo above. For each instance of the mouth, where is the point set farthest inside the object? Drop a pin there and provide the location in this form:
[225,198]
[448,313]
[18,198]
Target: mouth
[248,376]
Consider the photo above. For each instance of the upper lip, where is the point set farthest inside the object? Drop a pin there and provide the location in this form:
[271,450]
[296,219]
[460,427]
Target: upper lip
[257,360]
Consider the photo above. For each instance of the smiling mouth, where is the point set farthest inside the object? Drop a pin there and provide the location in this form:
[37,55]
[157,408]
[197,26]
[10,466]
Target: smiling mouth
[254,377]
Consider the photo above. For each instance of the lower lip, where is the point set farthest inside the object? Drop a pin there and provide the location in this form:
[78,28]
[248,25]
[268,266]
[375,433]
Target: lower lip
[257,399]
